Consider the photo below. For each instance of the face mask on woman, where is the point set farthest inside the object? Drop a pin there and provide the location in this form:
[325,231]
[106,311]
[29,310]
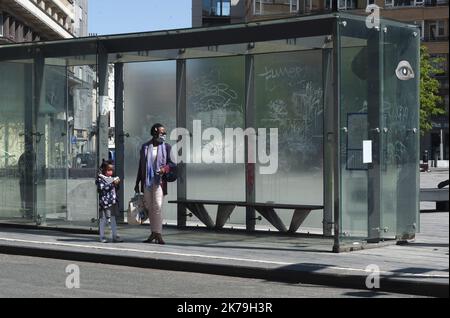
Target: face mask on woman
[161,139]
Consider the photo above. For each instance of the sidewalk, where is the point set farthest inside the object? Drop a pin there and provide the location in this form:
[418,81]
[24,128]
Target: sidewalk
[421,267]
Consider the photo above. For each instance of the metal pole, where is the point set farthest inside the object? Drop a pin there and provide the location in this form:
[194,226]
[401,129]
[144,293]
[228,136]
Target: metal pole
[249,123]
[119,134]
[29,159]
[181,123]
[38,136]
[328,141]
[336,133]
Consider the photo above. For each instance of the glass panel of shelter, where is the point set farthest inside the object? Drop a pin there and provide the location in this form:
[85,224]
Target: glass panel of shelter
[67,155]
[383,114]
[17,156]
[226,79]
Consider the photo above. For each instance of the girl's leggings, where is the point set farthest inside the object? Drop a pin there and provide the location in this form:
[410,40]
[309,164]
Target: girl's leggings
[106,214]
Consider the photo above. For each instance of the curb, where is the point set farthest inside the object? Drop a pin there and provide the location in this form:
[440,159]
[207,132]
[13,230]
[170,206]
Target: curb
[287,275]
[50,228]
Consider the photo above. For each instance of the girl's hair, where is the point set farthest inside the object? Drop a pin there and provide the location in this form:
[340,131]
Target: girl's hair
[105,164]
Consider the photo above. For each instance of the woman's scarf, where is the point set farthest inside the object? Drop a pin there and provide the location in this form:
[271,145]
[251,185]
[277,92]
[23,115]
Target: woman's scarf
[161,160]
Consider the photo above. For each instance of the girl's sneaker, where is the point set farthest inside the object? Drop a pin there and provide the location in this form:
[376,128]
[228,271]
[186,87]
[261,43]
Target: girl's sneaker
[117,240]
[103,240]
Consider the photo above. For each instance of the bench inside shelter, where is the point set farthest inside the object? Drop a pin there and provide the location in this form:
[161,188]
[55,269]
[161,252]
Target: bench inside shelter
[267,210]
[440,196]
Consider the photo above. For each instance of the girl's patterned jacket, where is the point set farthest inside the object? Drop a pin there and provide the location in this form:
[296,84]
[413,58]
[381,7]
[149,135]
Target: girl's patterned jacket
[107,191]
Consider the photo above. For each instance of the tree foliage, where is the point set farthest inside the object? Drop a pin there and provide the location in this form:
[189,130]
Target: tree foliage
[430,101]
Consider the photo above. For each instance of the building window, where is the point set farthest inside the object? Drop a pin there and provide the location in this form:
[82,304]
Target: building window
[294,5]
[437,30]
[268,7]
[217,8]
[345,4]
[436,2]
[421,25]
[404,3]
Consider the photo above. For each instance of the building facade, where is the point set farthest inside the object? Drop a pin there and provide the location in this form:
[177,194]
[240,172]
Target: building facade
[432,16]
[34,20]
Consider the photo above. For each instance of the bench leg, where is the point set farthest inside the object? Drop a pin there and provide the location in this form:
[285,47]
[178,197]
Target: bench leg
[297,219]
[442,206]
[223,213]
[201,213]
[270,215]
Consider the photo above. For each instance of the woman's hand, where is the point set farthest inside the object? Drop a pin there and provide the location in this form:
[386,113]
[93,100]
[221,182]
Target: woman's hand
[165,170]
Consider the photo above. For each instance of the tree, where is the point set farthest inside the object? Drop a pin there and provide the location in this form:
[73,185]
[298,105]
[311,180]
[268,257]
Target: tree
[430,101]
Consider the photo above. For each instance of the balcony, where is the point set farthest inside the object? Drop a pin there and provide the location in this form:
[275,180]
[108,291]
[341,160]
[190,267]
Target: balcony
[4,40]
[41,20]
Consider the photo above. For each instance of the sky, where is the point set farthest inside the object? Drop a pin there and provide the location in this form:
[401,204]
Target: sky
[116,16]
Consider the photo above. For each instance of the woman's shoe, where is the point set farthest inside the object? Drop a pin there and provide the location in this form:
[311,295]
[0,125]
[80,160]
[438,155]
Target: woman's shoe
[159,239]
[151,238]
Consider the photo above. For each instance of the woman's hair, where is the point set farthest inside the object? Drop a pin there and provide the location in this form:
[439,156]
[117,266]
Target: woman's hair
[154,130]
[105,164]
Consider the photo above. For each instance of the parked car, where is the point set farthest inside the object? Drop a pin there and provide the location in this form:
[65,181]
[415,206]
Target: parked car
[85,160]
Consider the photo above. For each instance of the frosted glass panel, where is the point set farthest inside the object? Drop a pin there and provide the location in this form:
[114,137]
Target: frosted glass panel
[400,144]
[354,124]
[289,96]
[149,98]
[380,199]
[82,150]
[215,96]
[13,97]
[51,146]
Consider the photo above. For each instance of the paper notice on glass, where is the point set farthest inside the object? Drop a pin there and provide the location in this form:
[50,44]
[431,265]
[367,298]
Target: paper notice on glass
[367,151]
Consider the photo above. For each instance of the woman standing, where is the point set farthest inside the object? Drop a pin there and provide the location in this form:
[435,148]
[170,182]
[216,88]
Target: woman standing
[154,163]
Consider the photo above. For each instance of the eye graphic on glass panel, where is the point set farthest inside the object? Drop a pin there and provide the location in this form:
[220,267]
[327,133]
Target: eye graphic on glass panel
[404,71]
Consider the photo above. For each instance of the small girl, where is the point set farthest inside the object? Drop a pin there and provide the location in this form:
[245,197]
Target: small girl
[106,186]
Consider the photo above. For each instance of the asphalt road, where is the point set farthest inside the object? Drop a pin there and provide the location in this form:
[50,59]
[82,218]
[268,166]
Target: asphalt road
[28,277]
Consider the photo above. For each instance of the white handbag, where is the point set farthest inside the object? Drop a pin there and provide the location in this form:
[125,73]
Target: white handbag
[137,213]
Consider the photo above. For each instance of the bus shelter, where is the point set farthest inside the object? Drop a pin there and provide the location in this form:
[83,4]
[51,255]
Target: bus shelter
[328,106]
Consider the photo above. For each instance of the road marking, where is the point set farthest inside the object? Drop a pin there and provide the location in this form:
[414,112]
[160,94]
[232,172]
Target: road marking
[397,274]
